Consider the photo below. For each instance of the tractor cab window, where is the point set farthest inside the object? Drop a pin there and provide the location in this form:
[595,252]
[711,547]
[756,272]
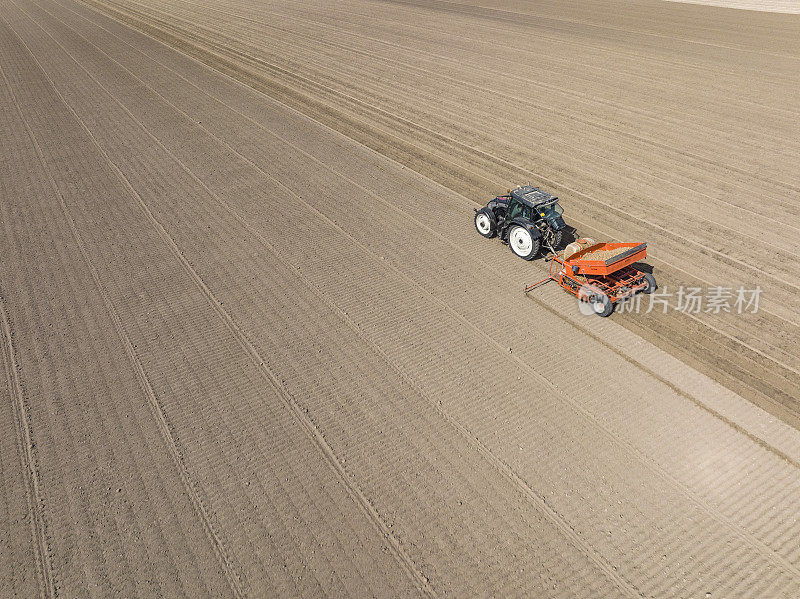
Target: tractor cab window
[515,209]
[554,210]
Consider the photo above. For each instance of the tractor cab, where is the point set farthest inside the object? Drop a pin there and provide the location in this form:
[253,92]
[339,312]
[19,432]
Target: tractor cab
[534,204]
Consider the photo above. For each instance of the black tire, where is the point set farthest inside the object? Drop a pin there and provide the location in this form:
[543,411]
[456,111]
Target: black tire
[523,243]
[601,305]
[485,223]
[650,280]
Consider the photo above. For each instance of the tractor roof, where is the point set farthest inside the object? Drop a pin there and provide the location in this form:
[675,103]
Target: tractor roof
[532,196]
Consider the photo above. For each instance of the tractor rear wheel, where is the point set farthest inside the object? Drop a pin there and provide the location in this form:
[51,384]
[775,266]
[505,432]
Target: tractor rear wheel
[651,286]
[522,242]
[485,223]
[601,305]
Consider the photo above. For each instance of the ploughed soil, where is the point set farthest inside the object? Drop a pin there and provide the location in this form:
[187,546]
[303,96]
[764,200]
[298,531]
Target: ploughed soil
[659,122]
[253,346]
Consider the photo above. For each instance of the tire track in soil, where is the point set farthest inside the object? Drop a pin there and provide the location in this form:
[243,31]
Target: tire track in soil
[354,505]
[219,44]
[257,359]
[785,416]
[386,23]
[299,413]
[27,449]
[232,572]
[312,430]
[601,11]
[614,438]
[501,467]
[480,154]
[445,76]
[526,367]
[464,182]
[513,126]
[19,576]
[588,332]
[778,409]
[453,165]
[503,15]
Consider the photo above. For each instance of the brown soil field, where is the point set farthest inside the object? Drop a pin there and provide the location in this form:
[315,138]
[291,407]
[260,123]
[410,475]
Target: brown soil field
[666,123]
[253,346]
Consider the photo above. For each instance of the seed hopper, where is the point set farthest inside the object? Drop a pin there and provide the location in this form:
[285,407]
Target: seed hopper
[601,274]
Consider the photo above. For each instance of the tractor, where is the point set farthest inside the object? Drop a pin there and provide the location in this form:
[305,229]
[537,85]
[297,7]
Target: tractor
[526,218]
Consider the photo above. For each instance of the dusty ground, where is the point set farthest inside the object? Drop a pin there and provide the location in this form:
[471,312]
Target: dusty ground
[248,355]
[674,124]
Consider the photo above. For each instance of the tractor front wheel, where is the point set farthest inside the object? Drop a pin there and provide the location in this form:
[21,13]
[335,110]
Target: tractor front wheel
[485,223]
[522,243]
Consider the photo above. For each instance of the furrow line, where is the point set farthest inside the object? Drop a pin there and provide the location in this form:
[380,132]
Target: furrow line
[651,464]
[561,315]
[441,138]
[232,572]
[593,227]
[228,41]
[405,561]
[499,465]
[753,392]
[582,328]
[228,49]
[458,7]
[27,447]
[411,23]
[398,14]
[541,502]
[415,26]
[737,341]
[561,143]
[358,496]
[655,260]
[655,226]
[44,560]
[457,113]
[262,171]
[265,42]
